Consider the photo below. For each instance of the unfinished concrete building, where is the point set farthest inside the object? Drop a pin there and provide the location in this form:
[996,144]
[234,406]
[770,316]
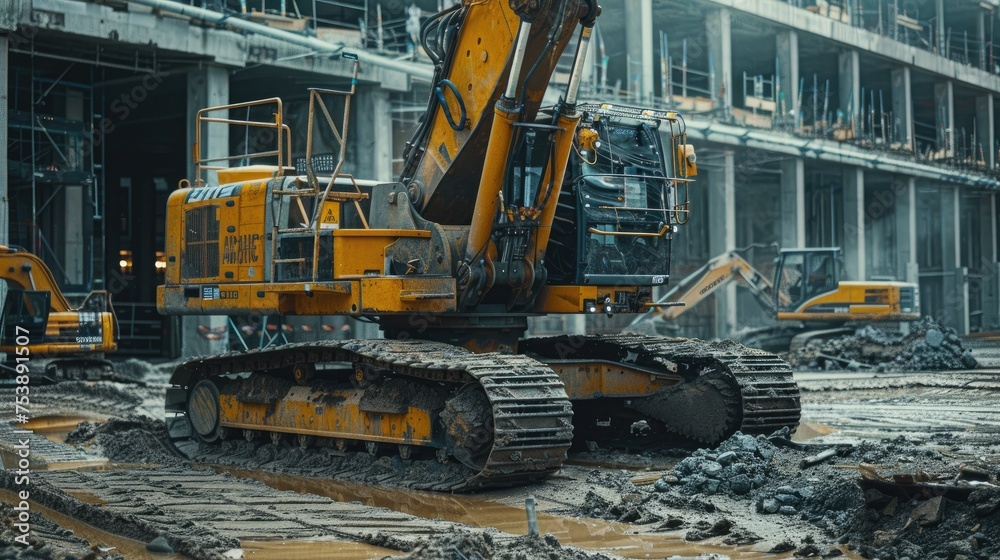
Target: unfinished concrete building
[864,124]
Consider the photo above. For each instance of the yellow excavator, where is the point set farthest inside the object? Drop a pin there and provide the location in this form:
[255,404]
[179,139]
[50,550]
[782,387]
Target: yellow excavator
[807,291]
[73,340]
[504,210]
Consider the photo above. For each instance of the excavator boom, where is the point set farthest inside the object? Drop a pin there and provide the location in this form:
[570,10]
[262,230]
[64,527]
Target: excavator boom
[473,48]
[715,274]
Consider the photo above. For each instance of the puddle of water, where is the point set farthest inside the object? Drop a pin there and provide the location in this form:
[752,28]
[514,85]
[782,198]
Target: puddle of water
[314,550]
[87,497]
[57,427]
[39,464]
[591,534]
[129,548]
[806,432]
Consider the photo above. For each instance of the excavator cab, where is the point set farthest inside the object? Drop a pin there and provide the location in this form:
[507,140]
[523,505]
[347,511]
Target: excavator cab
[29,310]
[809,286]
[627,201]
[803,274]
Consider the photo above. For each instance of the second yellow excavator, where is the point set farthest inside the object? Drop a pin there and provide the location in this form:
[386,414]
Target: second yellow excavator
[72,341]
[808,295]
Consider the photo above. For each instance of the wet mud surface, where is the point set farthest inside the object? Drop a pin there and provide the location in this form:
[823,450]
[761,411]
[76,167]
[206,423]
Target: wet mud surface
[782,496]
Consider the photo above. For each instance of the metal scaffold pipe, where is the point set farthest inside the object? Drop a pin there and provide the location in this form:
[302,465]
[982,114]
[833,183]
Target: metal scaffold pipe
[417,70]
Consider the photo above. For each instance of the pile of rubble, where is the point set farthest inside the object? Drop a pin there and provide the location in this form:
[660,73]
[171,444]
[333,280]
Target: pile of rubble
[928,346]
[953,515]
[738,465]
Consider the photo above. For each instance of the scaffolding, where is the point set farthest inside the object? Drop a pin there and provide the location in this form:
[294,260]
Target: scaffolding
[56,184]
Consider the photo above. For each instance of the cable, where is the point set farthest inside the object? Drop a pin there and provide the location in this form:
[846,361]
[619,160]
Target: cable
[439,93]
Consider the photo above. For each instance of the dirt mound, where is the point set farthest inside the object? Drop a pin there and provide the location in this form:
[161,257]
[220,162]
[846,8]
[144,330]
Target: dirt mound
[133,369]
[483,546]
[87,391]
[928,346]
[132,440]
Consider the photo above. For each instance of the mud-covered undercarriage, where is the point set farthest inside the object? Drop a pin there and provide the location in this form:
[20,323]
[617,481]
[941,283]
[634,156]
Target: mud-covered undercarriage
[507,418]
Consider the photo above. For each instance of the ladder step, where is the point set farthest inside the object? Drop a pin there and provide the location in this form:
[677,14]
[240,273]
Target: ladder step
[297,230]
[294,192]
[281,261]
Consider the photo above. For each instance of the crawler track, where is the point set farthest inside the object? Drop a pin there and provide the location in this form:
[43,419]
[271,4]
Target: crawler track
[531,427]
[755,389]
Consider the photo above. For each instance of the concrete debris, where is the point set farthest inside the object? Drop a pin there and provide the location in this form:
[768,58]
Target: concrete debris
[160,545]
[818,458]
[484,546]
[929,346]
[929,513]
[765,473]
[738,465]
[705,530]
[630,509]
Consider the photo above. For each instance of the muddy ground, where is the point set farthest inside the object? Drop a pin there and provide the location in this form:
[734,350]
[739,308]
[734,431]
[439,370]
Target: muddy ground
[114,489]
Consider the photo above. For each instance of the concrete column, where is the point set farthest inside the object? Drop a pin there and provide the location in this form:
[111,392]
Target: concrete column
[206,87]
[850,86]
[718,25]
[944,115]
[902,107]
[77,238]
[639,41]
[985,132]
[4,202]
[983,15]
[852,241]
[940,26]
[793,203]
[988,267]
[905,192]
[722,237]
[788,74]
[955,313]
[371,130]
